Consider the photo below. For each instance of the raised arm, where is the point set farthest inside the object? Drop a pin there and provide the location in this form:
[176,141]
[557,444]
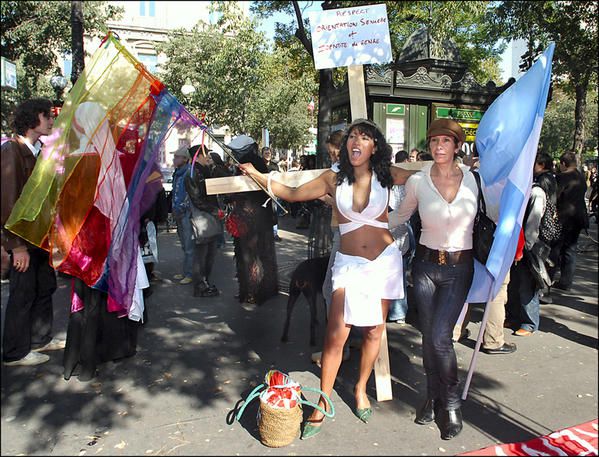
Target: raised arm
[401,175]
[311,190]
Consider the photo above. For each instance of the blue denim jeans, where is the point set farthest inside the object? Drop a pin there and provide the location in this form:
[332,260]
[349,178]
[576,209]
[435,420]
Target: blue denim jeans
[440,292]
[185,232]
[523,306]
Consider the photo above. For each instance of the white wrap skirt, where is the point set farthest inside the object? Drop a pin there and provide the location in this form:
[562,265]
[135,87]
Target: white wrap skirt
[366,283]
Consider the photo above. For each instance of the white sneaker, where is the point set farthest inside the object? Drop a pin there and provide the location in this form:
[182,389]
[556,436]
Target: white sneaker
[53,345]
[33,358]
[178,276]
[186,280]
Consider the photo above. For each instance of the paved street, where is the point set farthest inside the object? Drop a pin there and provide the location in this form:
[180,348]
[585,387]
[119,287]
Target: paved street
[197,357]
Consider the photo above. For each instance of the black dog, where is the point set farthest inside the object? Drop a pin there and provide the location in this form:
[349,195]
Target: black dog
[307,279]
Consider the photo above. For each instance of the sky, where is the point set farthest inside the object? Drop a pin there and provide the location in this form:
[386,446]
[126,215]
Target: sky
[268,26]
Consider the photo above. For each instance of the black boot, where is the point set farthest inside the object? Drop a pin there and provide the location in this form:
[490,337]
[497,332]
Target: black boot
[450,423]
[426,413]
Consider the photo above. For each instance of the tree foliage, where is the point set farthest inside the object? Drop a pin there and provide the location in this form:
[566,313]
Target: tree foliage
[573,28]
[34,34]
[558,124]
[238,82]
[282,103]
[223,61]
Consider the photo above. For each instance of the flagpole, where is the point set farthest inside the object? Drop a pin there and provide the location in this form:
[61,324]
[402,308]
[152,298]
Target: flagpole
[479,339]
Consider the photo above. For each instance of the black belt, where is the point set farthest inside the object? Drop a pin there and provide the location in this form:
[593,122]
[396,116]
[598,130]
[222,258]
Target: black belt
[443,257]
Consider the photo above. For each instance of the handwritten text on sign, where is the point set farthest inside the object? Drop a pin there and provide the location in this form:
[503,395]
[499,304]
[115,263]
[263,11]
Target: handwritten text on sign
[351,36]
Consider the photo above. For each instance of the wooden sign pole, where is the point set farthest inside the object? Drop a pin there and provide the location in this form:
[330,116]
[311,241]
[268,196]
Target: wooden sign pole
[357,92]
[357,102]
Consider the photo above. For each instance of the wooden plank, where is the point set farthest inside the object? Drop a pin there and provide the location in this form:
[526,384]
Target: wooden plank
[382,371]
[357,91]
[233,184]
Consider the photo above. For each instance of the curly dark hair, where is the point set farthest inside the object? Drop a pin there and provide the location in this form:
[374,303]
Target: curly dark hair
[26,114]
[380,162]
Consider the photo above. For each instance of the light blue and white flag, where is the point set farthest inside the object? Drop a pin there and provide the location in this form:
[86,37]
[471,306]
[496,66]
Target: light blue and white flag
[507,139]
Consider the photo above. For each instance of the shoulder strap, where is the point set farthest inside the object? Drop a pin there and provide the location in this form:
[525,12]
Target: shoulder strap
[481,200]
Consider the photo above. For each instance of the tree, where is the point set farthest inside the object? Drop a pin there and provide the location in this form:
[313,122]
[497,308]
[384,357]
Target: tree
[573,28]
[77,27]
[286,39]
[238,81]
[281,105]
[558,124]
[34,34]
[223,61]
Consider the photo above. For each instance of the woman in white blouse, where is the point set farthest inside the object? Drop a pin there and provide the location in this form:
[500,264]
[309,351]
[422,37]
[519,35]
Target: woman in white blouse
[445,195]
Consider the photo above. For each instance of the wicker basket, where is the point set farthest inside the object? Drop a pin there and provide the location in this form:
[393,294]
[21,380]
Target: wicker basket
[278,427]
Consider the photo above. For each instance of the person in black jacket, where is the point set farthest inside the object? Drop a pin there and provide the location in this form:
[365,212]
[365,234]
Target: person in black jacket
[205,223]
[571,208]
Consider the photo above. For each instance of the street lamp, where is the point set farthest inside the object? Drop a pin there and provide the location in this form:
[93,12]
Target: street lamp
[58,83]
[187,88]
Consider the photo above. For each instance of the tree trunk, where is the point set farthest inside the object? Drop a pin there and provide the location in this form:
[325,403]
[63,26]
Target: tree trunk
[324,87]
[579,118]
[77,39]
[324,114]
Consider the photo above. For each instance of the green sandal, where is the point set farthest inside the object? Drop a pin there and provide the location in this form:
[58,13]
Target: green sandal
[311,430]
[363,414]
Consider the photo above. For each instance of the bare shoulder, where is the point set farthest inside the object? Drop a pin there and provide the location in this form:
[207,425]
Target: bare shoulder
[330,178]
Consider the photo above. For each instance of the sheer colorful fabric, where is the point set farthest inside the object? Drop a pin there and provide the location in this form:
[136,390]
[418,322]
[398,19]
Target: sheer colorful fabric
[98,173]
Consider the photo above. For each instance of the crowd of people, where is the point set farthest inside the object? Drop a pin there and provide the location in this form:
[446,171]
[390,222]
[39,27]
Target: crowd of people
[409,232]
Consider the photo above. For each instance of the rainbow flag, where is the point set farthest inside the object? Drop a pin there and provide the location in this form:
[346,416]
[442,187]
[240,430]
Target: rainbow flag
[99,172]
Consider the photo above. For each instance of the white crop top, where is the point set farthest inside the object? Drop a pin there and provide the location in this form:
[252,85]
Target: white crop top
[377,204]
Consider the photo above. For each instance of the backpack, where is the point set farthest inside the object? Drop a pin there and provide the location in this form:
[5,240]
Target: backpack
[550,229]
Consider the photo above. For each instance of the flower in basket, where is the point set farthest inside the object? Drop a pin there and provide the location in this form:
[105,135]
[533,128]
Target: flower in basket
[235,226]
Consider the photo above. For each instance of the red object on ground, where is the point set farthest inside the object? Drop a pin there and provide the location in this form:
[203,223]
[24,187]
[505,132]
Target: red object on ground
[577,440]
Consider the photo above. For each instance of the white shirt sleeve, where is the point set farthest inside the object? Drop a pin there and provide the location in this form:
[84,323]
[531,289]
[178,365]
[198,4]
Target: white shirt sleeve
[408,205]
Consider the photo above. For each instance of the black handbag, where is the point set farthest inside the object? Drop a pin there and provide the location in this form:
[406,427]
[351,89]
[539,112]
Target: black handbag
[484,227]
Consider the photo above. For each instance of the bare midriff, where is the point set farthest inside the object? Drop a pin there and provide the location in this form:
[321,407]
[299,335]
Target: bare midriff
[366,241]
